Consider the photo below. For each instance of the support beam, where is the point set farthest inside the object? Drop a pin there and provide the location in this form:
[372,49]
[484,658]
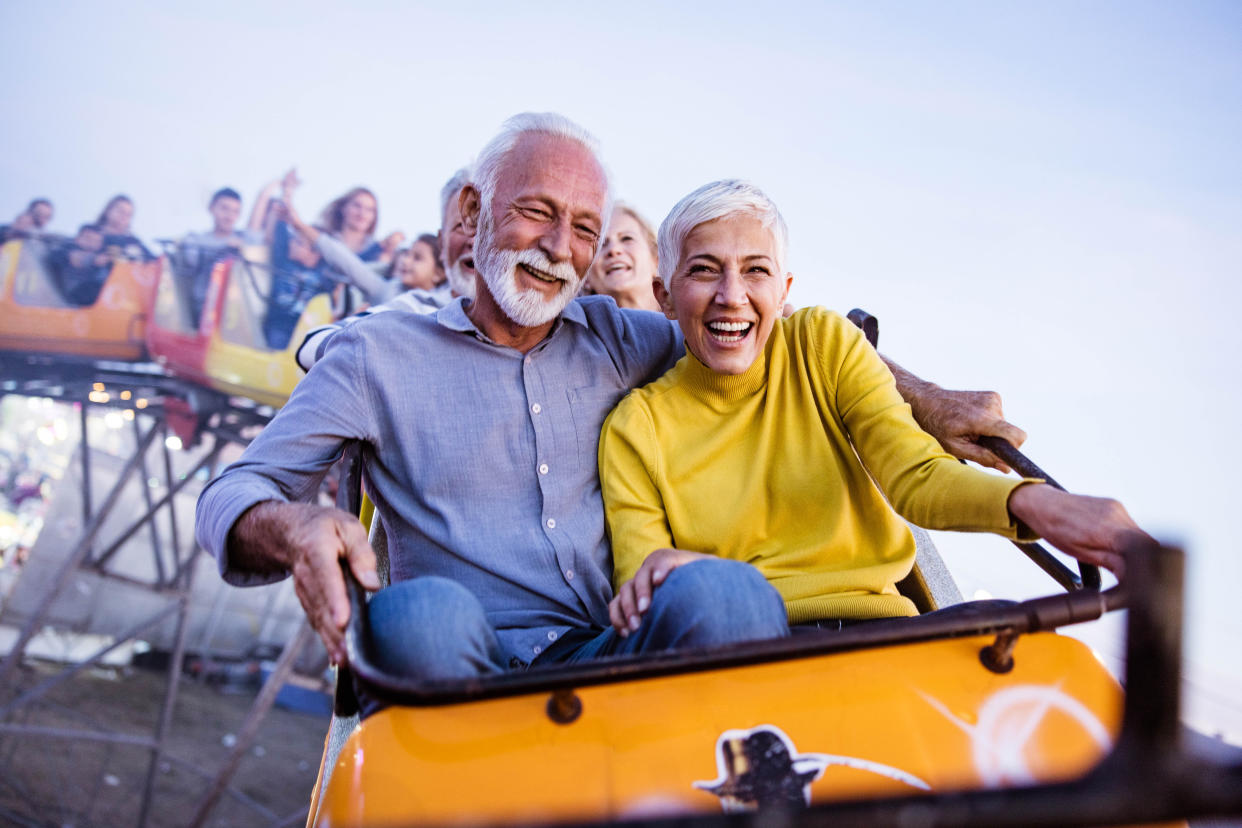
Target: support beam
[250,728]
[72,563]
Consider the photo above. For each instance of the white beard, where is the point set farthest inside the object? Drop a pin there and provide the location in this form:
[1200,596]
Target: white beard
[460,280]
[527,308]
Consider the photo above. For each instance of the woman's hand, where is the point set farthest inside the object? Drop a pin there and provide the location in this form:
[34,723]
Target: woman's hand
[1095,530]
[626,609]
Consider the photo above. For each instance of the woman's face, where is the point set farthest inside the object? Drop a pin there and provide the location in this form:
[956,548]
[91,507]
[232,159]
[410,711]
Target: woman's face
[727,292]
[118,217]
[624,263]
[359,213]
[417,267]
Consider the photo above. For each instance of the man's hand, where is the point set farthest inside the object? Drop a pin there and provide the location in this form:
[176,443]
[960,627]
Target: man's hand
[634,597]
[1095,530]
[308,541]
[958,418]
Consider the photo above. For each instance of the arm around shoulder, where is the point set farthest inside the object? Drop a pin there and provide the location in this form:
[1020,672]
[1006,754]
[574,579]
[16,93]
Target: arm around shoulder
[957,419]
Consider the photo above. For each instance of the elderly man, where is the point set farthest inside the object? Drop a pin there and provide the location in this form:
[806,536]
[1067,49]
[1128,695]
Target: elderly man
[479,425]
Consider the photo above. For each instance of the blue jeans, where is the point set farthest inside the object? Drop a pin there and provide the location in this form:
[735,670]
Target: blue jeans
[434,628]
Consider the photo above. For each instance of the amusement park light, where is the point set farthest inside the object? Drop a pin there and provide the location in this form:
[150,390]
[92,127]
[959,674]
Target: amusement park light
[173,442]
[141,402]
[125,395]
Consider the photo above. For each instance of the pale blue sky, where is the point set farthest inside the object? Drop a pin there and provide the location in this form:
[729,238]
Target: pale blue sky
[1044,199]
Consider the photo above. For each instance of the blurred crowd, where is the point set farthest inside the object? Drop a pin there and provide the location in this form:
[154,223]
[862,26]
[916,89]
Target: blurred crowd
[336,253]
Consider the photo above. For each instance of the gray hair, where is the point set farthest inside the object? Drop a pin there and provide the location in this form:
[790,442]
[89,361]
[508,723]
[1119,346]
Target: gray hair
[491,157]
[451,188]
[713,201]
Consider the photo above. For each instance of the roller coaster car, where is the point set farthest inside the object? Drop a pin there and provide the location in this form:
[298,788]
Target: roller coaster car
[225,347]
[986,718]
[35,316]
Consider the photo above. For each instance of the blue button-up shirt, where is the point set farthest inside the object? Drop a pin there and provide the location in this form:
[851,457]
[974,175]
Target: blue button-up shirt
[481,460]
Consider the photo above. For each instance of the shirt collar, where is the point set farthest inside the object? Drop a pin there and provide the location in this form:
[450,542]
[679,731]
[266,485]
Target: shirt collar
[453,316]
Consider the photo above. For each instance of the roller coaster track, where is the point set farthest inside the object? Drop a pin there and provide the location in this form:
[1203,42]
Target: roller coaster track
[162,403]
[191,409]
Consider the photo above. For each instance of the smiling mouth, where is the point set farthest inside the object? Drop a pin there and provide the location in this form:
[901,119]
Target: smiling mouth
[729,332]
[540,275]
[468,264]
[611,269]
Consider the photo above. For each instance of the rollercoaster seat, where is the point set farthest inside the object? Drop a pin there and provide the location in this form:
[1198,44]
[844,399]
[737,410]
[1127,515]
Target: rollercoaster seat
[246,300]
[33,282]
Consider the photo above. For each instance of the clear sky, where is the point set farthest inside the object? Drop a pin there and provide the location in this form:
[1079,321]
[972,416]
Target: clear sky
[1043,199]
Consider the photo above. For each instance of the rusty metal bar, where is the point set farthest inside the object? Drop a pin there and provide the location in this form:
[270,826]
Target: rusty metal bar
[71,563]
[86,467]
[262,703]
[170,695]
[157,546]
[174,534]
[115,546]
[63,676]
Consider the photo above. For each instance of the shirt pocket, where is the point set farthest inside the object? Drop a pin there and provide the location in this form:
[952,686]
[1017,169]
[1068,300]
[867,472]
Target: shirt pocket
[589,405]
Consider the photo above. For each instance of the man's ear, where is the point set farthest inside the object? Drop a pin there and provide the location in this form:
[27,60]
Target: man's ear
[663,297]
[468,202]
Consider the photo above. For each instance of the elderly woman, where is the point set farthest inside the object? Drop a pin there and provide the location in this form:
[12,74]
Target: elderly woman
[783,442]
[625,265]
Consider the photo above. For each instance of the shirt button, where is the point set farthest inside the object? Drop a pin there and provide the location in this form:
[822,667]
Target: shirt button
[551,523]
[569,574]
[552,635]
[538,649]
[543,468]
[536,408]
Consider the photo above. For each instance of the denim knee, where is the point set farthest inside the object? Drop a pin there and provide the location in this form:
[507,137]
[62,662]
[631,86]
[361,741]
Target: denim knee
[714,602]
[431,628]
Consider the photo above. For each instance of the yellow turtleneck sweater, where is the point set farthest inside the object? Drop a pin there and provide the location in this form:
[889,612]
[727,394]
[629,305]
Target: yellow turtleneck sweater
[771,467]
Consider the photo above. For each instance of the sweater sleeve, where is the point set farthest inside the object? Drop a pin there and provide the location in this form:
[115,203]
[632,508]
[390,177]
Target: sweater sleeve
[924,484]
[290,456]
[633,507]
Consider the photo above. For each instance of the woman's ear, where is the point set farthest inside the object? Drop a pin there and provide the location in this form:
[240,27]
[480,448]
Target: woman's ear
[663,297]
[468,202]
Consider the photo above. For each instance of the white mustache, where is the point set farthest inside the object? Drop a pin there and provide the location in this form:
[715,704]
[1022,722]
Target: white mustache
[535,258]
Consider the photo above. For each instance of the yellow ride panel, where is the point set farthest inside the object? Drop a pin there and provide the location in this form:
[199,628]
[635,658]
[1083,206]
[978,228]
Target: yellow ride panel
[238,360]
[880,722]
[34,317]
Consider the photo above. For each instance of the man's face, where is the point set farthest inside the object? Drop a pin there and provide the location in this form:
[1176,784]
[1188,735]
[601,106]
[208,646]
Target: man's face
[457,250]
[538,236]
[41,214]
[225,212]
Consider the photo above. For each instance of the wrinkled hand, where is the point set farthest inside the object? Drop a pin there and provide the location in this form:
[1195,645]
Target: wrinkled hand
[959,418]
[309,541]
[1095,530]
[626,609]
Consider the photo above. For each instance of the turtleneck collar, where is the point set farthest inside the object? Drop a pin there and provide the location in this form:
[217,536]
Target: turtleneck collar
[728,388]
